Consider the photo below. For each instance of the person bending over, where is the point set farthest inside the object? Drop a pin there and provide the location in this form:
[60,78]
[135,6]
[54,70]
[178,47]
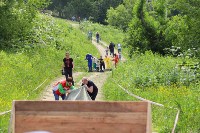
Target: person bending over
[91,87]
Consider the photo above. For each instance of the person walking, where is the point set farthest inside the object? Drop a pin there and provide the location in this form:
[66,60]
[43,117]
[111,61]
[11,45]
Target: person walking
[107,61]
[119,48]
[68,66]
[112,47]
[90,35]
[61,88]
[89,57]
[91,87]
[107,49]
[97,37]
[116,59]
[102,64]
[94,62]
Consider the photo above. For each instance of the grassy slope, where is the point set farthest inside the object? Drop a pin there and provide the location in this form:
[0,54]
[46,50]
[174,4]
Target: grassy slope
[141,71]
[23,71]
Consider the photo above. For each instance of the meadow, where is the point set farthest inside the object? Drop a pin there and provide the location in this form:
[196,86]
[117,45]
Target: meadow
[161,80]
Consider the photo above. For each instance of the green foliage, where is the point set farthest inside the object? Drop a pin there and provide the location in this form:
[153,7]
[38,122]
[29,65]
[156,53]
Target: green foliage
[162,80]
[156,25]
[121,15]
[16,21]
[145,32]
[83,8]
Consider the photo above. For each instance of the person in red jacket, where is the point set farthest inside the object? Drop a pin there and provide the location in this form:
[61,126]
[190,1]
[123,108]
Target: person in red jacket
[63,87]
[116,59]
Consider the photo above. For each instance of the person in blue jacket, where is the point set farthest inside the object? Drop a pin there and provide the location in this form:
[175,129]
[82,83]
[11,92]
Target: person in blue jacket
[89,57]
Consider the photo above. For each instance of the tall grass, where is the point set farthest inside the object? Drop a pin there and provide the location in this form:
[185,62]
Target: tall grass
[23,70]
[159,79]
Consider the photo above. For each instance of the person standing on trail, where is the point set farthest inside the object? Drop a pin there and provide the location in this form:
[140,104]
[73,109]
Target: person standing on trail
[107,61]
[97,37]
[89,57]
[89,35]
[102,64]
[116,59]
[119,48]
[107,49]
[91,87]
[112,47]
[63,87]
[68,66]
[94,62]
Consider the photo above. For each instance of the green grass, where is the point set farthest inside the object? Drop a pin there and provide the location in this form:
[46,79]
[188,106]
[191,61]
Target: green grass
[148,75]
[157,78]
[23,70]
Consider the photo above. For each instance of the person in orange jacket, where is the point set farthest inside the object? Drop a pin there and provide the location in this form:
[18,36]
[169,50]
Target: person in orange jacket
[63,87]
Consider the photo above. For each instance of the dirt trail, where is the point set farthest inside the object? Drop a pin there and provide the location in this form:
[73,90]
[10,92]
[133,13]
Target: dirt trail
[97,77]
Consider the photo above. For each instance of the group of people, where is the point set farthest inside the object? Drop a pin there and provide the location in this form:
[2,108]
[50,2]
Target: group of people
[111,48]
[64,87]
[93,62]
[101,64]
[97,36]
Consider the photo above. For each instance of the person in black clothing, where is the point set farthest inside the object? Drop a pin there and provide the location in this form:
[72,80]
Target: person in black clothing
[68,66]
[91,87]
[102,64]
[111,47]
[97,37]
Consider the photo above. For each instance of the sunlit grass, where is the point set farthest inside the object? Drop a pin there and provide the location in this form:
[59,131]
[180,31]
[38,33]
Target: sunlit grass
[158,79]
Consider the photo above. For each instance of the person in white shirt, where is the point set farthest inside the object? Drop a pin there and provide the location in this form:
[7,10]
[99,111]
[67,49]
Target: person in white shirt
[119,47]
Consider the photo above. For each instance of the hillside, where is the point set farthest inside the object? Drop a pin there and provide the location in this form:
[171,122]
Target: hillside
[150,76]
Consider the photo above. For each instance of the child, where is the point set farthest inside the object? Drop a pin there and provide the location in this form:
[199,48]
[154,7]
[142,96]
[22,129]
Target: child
[98,65]
[102,64]
[120,55]
[94,61]
[107,61]
[107,49]
[116,59]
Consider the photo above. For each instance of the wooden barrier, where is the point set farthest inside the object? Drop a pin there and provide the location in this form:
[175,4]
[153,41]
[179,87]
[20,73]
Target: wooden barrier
[81,117]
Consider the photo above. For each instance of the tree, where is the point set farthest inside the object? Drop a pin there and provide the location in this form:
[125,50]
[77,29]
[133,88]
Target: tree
[121,15]
[16,21]
[145,32]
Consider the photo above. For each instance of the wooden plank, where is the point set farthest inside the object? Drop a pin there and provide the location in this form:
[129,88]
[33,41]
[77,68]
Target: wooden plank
[83,106]
[90,117]
[82,117]
[84,128]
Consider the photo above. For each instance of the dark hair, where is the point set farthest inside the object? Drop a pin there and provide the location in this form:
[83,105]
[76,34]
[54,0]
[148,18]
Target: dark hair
[69,79]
